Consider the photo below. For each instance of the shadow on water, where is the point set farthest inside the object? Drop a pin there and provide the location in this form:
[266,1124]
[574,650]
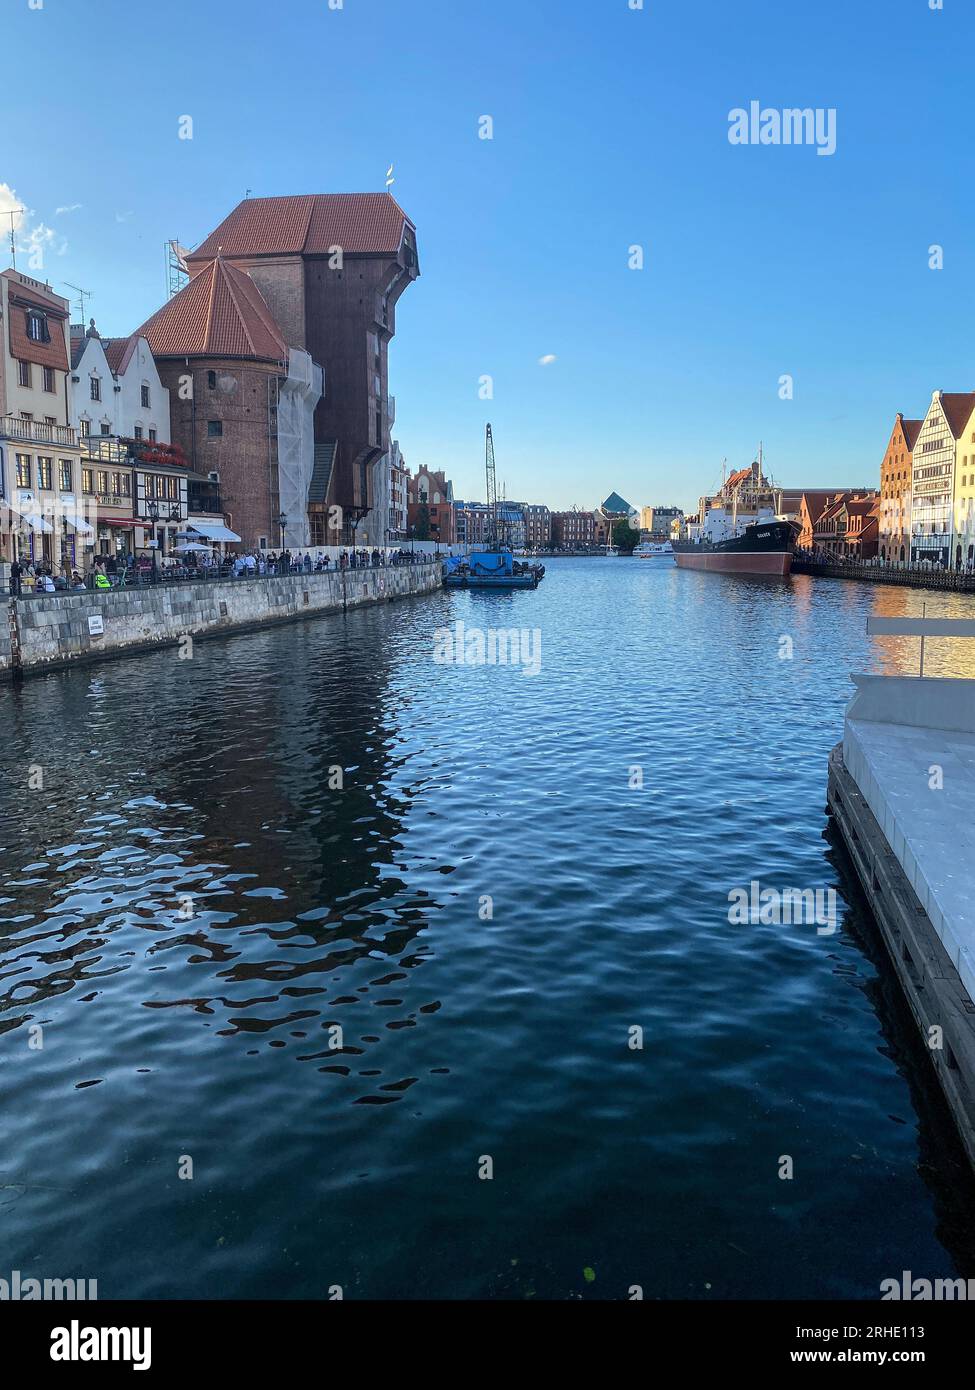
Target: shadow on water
[941,1158]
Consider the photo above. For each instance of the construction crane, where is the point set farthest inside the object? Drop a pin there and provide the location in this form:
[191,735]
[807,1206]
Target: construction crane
[492,491]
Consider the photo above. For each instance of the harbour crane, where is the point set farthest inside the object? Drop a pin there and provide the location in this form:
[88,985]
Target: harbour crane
[492,490]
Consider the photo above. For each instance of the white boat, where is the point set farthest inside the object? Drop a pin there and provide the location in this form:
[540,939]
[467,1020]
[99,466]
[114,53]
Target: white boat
[654,550]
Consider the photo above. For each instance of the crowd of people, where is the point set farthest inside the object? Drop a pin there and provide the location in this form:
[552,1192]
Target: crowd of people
[123,569]
[819,556]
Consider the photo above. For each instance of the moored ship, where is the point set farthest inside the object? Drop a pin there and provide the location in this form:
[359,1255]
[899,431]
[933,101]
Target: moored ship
[763,548]
[737,531]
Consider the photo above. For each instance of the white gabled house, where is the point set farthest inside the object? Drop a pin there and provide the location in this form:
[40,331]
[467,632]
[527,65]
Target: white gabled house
[115,388]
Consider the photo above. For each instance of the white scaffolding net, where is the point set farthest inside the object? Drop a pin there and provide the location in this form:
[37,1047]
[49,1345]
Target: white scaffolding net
[299,396]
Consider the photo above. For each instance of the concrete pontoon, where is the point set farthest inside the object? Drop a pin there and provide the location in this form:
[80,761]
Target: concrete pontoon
[902,794]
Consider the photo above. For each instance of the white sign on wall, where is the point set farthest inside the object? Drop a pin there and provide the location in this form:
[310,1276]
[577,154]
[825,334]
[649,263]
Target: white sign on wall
[95,625]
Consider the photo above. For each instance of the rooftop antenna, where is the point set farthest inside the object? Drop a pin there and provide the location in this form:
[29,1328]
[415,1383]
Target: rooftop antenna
[247,193]
[82,296]
[12,213]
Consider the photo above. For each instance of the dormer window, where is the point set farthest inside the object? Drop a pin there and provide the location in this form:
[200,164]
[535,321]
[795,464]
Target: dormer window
[37,329]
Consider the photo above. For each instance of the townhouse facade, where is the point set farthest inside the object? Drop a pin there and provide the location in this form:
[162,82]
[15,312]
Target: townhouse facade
[577,530]
[537,521]
[41,514]
[430,509]
[116,388]
[399,494]
[896,484]
[938,451]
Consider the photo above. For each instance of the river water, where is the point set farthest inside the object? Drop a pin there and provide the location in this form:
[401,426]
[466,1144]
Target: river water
[488,881]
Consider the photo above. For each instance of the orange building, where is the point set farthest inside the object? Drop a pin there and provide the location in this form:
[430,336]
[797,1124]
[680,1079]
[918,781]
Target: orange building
[895,490]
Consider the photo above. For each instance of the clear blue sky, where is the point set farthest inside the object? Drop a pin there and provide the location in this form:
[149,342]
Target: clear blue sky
[611,129]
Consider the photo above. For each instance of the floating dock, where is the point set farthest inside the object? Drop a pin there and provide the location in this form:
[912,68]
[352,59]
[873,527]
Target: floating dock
[902,795]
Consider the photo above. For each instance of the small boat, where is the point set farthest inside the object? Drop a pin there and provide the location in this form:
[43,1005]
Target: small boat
[654,550]
[495,568]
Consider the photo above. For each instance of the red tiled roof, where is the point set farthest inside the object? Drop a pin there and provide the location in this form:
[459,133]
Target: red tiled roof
[739,477]
[118,351]
[51,354]
[958,407]
[309,223]
[816,504]
[911,429]
[220,313]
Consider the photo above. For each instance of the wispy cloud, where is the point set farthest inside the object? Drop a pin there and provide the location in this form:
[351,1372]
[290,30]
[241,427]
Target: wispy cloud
[547,360]
[70,207]
[123,216]
[34,239]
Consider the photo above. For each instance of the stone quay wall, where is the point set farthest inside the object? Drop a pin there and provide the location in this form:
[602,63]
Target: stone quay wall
[52,631]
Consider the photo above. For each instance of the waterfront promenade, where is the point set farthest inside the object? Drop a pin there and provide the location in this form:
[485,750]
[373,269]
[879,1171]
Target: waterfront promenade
[49,631]
[913,577]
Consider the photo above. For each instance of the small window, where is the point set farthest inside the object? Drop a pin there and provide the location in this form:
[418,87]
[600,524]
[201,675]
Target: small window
[212,383]
[105,428]
[37,329]
[138,431]
[85,429]
[23,470]
[102,481]
[126,485]
[49,379]
[23,373]
[95,386]
[145,396]
[87,481]
[45,473]
[152,436]
[214,428]
[64,474]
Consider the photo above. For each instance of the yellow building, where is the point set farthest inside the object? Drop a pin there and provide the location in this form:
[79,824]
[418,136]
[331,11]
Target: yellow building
[40,505]
[964,500]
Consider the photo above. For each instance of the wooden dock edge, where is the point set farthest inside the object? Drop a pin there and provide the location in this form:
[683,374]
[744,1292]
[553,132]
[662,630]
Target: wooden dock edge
[931,984]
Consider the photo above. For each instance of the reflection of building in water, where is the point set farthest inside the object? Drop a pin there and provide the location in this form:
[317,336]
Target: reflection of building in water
[900,656]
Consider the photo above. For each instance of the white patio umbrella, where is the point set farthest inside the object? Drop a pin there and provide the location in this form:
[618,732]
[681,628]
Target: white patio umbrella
[191,545]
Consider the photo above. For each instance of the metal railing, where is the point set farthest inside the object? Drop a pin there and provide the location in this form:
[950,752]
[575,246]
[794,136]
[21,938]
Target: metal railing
[143,577]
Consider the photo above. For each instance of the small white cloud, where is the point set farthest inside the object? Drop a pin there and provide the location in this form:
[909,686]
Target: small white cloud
[35,240]
[547,360]
[70,207]
[123,216]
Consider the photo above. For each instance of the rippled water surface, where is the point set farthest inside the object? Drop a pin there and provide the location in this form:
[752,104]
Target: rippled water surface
[191,906]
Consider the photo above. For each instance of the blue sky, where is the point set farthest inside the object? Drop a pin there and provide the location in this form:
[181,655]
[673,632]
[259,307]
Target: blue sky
[610,130]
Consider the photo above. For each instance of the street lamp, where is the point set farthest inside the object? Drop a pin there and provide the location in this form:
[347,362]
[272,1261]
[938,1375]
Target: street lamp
[152,511]
[282,523]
